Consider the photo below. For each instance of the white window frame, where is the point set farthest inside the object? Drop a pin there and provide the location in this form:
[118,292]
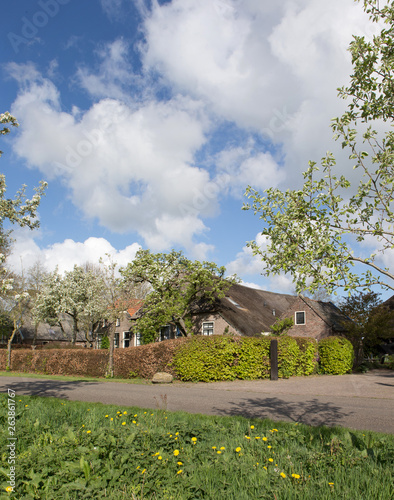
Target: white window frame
[116,340]
[117,323]
[126,338]
[208,329]
[137,339]
[295,318]
[167,329]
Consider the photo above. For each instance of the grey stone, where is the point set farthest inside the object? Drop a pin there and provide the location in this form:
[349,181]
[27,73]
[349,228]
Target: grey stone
[162,378]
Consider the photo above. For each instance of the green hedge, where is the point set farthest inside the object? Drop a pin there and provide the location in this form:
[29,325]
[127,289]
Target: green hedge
[217,358]
[336,355]
[307,361]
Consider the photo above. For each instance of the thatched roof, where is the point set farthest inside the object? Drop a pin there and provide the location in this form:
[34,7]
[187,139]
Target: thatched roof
[47,333]
[252,311]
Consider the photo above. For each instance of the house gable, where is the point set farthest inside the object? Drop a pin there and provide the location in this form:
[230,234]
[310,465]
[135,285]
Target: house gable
[320,319]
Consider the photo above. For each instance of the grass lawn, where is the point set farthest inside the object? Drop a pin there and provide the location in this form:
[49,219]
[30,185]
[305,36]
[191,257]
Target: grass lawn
[74,378]
[76,450]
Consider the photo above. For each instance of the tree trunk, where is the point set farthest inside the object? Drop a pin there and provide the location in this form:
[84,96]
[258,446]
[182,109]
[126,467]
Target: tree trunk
[110,368]
[89,342]
[35,333]
[8,367]
[182,327]
[75,329]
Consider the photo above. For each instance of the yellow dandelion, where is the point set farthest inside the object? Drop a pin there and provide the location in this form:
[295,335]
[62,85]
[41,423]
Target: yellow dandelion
[180,471]
[252,426]
[134,422]
[238,449]
[83,425]
[125,413]
[257,437]
[179,463]
[222,448]
[106,416]
[88,432]
[123,423]
[160,457]
[143,471]
[247,437]
[274,430]
[194,439]
[26,406]
[331,484]
[177,434]
[176,453]
[283,474]
[218,452]
[270,460]
[264,438]
[296,476]
[9,489]
[264,467]
[269,447]
[112,419]
[214,447]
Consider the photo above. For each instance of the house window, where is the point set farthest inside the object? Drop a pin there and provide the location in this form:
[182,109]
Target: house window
[126,339]
[165,332]
[116,339]
[99,338]
[207,328]
[300,318]
[137,339]
[117,322]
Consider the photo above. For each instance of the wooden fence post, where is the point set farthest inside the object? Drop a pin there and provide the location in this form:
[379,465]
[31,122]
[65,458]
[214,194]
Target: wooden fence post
[274,359]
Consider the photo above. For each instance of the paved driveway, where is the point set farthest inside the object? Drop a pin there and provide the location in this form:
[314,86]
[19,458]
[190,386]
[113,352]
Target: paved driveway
[362,401]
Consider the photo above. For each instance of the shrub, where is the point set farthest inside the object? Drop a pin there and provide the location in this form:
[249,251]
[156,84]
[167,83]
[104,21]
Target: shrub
[307,360]
[336,355]
[213,358]
[253,360]
[206,359]
[288,356]
[105,342]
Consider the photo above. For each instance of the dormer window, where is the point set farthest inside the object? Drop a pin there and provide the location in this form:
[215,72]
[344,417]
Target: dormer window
[300,318]
[233,302]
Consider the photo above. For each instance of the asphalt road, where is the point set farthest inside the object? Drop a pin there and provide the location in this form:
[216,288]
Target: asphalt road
[361,401]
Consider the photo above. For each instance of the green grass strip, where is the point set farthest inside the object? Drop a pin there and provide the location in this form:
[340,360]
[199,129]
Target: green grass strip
[77,450]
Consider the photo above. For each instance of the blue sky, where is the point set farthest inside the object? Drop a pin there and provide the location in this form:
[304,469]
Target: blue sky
[149,119]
